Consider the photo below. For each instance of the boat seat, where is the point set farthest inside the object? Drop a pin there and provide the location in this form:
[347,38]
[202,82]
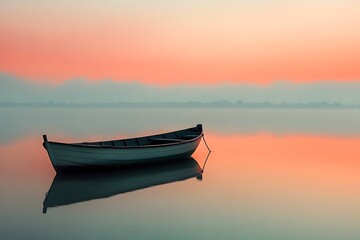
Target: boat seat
[189,136]
[131,142]
[165,139]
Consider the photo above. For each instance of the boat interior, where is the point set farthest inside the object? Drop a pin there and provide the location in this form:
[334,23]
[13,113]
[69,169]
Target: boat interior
[165,138]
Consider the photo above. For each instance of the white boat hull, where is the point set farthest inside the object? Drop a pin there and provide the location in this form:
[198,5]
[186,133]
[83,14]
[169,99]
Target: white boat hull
[147,149]
[63,155]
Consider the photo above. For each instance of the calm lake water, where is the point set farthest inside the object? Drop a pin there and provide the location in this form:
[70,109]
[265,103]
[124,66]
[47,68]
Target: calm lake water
[273,174]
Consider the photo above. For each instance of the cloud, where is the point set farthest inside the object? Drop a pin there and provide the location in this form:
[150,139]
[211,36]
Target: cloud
[18,90]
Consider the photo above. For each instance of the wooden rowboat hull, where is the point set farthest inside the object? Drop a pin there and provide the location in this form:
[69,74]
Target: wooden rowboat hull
[160,147]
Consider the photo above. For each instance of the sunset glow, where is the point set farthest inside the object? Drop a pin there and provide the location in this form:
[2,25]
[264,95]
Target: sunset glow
[175,42]
[139,91]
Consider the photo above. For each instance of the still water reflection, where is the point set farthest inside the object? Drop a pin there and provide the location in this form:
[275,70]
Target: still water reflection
[84,186]
[291,174]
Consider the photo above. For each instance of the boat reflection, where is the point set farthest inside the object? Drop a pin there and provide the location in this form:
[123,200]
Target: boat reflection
[84,186]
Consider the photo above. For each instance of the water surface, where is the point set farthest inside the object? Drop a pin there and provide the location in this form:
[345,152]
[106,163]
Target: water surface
[273,174]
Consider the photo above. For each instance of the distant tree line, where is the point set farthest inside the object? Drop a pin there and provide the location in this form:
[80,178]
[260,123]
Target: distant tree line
[190,104]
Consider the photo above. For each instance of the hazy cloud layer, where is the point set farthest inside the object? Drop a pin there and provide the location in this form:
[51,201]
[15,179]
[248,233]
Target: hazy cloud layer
[17,90]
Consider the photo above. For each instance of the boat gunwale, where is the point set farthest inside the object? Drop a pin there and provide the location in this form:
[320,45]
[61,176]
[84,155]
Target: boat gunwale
[132,147]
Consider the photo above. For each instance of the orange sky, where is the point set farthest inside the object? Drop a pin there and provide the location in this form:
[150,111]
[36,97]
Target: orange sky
[181,42]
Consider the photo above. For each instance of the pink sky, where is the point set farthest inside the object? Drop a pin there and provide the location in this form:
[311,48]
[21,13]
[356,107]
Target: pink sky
[202,42]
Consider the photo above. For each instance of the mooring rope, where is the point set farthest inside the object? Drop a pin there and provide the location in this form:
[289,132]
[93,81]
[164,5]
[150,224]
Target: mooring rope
[203,167]
[206,143]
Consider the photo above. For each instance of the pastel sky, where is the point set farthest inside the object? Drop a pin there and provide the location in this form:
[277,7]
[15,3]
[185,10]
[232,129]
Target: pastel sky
[172,42]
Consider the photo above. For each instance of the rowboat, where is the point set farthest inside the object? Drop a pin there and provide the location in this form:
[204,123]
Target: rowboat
[84,186]
[139,150]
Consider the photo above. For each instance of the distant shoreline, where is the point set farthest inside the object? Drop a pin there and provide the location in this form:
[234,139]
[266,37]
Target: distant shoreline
[219,104]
